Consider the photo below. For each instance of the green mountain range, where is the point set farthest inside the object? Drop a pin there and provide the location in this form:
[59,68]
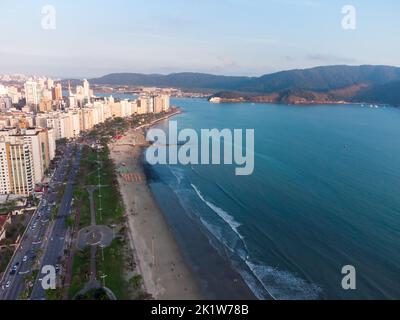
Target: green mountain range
[327,84]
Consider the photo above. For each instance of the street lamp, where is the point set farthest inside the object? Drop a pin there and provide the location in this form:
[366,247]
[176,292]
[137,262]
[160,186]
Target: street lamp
[102,251]
[104,276]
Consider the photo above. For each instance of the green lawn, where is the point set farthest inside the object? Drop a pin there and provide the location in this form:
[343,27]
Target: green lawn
[113,266]
[80,272]
[112,213]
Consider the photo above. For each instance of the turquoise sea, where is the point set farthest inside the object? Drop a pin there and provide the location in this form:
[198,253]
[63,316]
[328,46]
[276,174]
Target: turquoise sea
[325,193]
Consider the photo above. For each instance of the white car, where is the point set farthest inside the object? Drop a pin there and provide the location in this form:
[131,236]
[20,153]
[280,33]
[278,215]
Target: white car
[25,258]
[8,284]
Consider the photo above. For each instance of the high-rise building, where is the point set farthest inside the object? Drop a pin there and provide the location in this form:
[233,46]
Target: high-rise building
[5,165]
[15,94]
[25,155]
[3,90]
[17,173]
[166,105]
[45,105]
[161,103]
[48,94]
[5,103]
[87,119]
[33,139]
[33,93]
[152,104]
[50,84]
[42,83]
[145,105]
[72,103]
[86,90]
[52,143]
[57,92]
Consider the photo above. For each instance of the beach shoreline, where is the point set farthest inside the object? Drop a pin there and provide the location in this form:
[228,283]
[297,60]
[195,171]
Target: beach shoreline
[164,271]
[171,269]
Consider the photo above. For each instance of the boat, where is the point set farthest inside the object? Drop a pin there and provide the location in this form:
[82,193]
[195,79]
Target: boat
[215,100]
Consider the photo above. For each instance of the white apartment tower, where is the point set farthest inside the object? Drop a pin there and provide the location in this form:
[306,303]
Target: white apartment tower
[16,173]
[86,90]
[5,181]
[33,93]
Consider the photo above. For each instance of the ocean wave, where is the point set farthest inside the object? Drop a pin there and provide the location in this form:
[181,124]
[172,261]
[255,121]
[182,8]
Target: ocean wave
[283,285]
[270,282]
[220,187]
[264,281]
[221,213]
[178,174]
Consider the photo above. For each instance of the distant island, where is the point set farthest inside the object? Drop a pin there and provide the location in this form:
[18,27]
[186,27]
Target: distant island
[326,84]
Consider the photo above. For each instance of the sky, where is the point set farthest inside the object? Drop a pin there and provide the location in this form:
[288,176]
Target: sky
[232,37]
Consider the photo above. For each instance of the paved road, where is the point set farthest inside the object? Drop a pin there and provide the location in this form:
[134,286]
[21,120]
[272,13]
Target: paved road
[37,233]
[54,249]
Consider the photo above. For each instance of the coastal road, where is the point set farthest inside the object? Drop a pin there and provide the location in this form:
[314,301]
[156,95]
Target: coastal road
[35,237]
[54,248]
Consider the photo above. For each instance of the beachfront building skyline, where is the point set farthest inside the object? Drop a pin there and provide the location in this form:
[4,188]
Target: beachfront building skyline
[149,103]
[28,136]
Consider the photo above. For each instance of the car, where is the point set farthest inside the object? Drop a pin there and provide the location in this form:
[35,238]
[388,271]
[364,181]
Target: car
[25,258]
[8,284]
[13,270]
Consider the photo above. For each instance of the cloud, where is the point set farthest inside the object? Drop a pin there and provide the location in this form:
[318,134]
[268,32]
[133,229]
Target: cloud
[328,58]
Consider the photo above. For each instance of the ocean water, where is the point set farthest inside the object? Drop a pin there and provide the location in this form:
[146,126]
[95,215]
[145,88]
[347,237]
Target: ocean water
[325,193]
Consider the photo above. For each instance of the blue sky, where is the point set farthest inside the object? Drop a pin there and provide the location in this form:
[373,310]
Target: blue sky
[233,37]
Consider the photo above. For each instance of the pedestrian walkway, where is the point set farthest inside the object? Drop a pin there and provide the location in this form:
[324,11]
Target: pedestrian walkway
[94,236]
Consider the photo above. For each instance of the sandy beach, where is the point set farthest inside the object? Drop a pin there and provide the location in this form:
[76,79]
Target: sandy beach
[165,274]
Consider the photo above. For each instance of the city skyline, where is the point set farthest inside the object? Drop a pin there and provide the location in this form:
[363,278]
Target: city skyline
[191,36]
[48,118]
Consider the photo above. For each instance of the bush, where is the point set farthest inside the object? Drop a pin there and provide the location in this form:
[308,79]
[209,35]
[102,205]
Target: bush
[136,281]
